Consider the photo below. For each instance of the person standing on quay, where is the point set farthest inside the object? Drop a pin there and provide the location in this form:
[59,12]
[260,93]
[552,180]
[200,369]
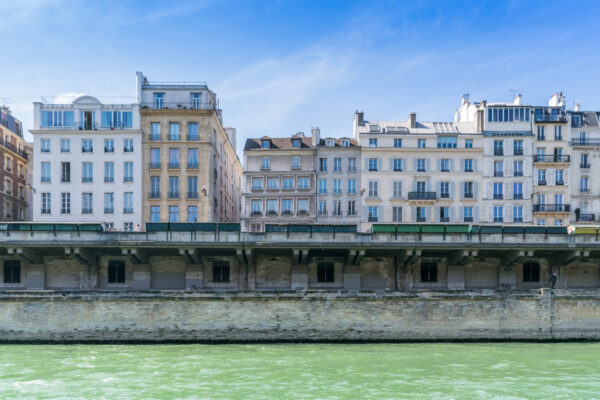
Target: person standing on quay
[553,278]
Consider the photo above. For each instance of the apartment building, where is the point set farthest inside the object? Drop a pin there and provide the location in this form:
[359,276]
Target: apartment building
[418,172]
[14,169]
[583,185]
[191,172]
[279,182]
[338,167]
[88,159]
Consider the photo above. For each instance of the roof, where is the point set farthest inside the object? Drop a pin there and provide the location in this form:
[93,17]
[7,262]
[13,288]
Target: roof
[278,143]
[589,118]
[7,120]
[353,143]
[432,128]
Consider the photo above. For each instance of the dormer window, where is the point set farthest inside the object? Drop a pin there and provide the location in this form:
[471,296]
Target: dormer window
[345,143]
[296,142]
[265,144]
[373,128]
[576,121]
[329,142]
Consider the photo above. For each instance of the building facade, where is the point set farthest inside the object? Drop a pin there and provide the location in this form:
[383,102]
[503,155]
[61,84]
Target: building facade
[279,182]
[14,169]
[191,171]
[89,163]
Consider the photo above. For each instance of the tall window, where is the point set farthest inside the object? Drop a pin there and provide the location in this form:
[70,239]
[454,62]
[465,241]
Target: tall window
[155,131]
[128,145]
[65,207]
[468,213]
[45,171]
[541,135]
[373,189]
[195,99]
[288,183]
[351,186]
[421,143]
[12,271]
[421,165]
[173,213]
[445,165]
[256,207]
[128,171]
[337,208]
[445,190]
[173,187]
[266,163]
[372,214]
[155,158]
[584,184]
[174,158]
[192,131]
[372,142]
[45,145]
[109,203]
[192,213]
[46,206]
[468,143]
[372,164]
[155,187]
[272,183]
[128,202]
[421,214]
[322,186]
[498,168]
[87,146]
[65,145]
[468,165]
[158,100]
[397,164]
[351,208]
[498,190]
[558,176]
[287,206]
[109,145]
[518,147]
[322,164]
[322,208]
[87,172]
[517,190]
[296,162]
[303,183]
[351,164]
[498,214]
[518,168]
[325,272]
[65,172]
[337,164]
[87,203]
[444,214]
[468,190]
[397,189]
[337,186]
[192,187]
[174,131]
[192,158]
[498,147]
[541,176]
[396,214]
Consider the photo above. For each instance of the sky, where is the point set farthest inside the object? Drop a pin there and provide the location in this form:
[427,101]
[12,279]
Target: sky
[281,67]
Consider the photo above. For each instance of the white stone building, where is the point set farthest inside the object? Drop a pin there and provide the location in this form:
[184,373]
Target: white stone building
[88,162]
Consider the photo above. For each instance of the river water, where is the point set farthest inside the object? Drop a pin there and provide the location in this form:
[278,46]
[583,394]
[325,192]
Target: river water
[332,371]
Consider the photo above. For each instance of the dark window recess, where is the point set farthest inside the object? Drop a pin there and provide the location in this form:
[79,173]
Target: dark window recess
[429,272]
[12,271]
[531,272]
[325,272]
[116,272]
[221,271]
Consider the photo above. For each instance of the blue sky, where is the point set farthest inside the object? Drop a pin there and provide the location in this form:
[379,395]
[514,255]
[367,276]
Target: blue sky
[285,66]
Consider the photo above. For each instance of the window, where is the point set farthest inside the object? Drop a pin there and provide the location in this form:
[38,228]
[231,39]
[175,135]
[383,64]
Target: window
[45,203]
[517,190]
[8,164]
[322,208]
[345,142]
[420,186]
[397,164]
[372,214]
[420,165]
[65,172]
[373,189]
[446,142]
[584,161]
[328,142]
[541,176]
[351,186]
[518,147]
[372,164]
[173,187]
[221,271]
[192,187]
[337,186]
[65,145]
[87,146]
[322,186]
[87,203]
[540,133]
[468,213]
[65,206]
[296,162]
[421,214]
[287,206]
[45,171]
[584,184]
[445,190]
[303,183]
[272,183]
[468,190]
[372,142]
[87,172]
[257,183]
[421,143]
[444,214]
[158,100]
[115,119]
[429,272]
[498,147]
[498,190]
[518,168]
[192,213]
[12,271]
[116,272]
[288,183]
[173,213]
[337,164]
[109,146]
[296,143]
[322,164]
[174,131]
[266,163]
[541,222]
[518,214]
[192,131]
[154,158]
[445,165]
[498,168]
[256,207]
[351,208]
[155,187]
[397,143]
[396,214]
[508,114]
[109,171]
[155,131]
[174,158]
[58,119]
[468,143]
[558,176]
[45,146]
[109,203]
[498,214]
[128,171]
[397,189]
[325,272]
[352,164]
[531,272]
[128,203]
[373,128]
[468,165]
[128,145]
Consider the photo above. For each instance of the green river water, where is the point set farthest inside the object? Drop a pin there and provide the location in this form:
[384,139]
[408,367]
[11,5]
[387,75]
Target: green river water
[278,371]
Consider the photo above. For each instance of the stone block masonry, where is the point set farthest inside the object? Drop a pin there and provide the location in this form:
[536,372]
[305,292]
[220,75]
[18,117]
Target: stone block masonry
[151,316]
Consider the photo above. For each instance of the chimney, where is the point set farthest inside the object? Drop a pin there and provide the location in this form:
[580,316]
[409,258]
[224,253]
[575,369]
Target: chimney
[413,119]
[553,102]
[576,108]
[316,136]
[360,118]
[464,99]
[517,101]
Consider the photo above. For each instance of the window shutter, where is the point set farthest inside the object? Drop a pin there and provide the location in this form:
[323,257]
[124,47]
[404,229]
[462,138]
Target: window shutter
[475,213]
[365,214]
[428,211]
[461,213]
[475,190]
[379,164]
[366,164]
[451,165]
[404,166]
[391,163]
[413,214]
[451,190]
[380,216]
[509,191]
[462,164]
[527,217]
[439,164]
[427,164]
[414,164]
[475,165]
[438,189]
[451,213]
[436,212]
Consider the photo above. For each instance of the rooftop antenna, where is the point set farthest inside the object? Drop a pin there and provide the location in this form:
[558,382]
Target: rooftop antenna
[512,93]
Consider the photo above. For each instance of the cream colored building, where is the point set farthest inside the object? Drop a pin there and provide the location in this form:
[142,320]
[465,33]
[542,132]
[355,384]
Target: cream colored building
[192,173]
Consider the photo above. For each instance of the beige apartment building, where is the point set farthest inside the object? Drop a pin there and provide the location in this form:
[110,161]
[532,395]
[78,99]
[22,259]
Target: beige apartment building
[192,173]
[279,182]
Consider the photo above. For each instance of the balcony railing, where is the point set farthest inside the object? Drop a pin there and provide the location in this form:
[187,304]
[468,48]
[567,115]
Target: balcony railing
[87,179]
[192,195]
[421,195]
[518,152]
[551,208]
[585,166]
[587,217]
[154,195]
[154,165]
[468,195]
[468,219]
[444,195]
[498,196]
[109,179]
[585,142]
[498,173]
[192,165]
[421,219]
[107,210]
[518,173]
[173,165]
[560,117]
[12,148]
[154,138]
[128,179]
[551,158]
[180,105]
[444,219]
[518,196]
[128,210]
[498,152]
[87,126]
[173,195]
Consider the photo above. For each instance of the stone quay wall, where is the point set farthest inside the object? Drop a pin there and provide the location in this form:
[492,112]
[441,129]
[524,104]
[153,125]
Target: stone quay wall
[159,316]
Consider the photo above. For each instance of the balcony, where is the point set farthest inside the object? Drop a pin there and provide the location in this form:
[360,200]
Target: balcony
[192,165]
[552,158]
[12,148]
[128,179]
[560,117]
[468,195]
[518,152]
[87,179]
[421,195]
[518,173]
[444,195]
[585,142]
[127,149]
[498,173]
[109,149]
[109,179]
[468,219]
[154,194]
[87,126]
[180,105]
[128,210]
[518,219]
[154,138]
[586,217]
[444,219]
[173,165]
[498,152]
[518,196]
[498,219]
[498,196]
[584,166]
[154,165]
[192,195]
[421,219]
[551,208]
[173,195]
